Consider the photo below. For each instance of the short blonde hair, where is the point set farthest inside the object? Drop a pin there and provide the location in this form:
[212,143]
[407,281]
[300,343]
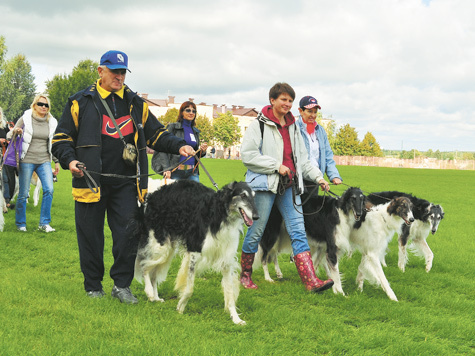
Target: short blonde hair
[37,98]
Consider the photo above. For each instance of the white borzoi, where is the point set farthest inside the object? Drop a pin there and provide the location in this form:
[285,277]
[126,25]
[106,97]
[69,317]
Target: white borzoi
[328,223]
[206,224]
[427,218]
[371,236]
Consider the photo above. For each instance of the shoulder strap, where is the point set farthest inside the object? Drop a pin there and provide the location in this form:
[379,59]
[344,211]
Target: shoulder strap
[106,106]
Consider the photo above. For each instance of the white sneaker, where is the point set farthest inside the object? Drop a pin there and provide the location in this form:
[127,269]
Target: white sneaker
[45,228]
[21,228]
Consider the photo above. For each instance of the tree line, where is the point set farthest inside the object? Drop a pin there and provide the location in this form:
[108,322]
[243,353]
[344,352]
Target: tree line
[17,90]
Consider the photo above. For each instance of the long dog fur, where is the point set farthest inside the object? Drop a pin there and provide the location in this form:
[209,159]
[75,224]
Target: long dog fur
[371,236]
[205,224]
[427,218]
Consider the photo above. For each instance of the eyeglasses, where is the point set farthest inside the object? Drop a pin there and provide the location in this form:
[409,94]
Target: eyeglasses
[189,110]
[42,104]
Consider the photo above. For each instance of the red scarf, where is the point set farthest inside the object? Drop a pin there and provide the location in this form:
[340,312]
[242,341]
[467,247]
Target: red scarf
[311,127]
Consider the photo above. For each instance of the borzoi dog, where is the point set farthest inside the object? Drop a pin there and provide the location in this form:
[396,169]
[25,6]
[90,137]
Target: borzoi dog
[206,224]
[371,236]
[427,218]
[328,223]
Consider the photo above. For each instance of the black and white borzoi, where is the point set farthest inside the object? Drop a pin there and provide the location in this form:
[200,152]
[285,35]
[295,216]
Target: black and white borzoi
[427,218]
[328,223]
[371,236]
[206,224]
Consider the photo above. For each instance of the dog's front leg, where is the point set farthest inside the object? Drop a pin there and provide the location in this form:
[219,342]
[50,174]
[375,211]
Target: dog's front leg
[186,279]
[230,284]
[426,251]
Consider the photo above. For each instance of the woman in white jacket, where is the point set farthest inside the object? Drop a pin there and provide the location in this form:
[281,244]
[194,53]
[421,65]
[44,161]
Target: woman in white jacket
[37,126]
[275,155]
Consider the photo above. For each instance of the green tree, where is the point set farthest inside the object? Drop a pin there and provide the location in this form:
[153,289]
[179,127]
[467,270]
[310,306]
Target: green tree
[62,86]
[346,142]
[170,116]
[370,147]
[206,129]
[330,129]
[17,85]
[226,130]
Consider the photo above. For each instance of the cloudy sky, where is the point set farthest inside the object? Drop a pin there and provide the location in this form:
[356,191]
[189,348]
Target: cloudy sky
[402,69]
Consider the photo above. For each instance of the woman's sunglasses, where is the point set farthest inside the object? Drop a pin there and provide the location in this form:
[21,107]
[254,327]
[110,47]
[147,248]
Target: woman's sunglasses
[189,110]
[43,104]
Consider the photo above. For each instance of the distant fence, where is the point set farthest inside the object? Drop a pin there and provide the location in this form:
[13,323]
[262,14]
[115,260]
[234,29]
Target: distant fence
[419,162]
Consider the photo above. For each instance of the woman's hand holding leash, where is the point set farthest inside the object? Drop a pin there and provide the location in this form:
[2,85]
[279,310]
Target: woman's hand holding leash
[186,151]
[284,170]
[324,185]
[336,181]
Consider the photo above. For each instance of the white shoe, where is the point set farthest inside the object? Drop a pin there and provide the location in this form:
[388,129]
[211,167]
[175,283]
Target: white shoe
[45,228]
[21,228]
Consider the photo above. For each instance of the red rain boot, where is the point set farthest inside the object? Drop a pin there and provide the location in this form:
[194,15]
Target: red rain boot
[304,264]
[246,270]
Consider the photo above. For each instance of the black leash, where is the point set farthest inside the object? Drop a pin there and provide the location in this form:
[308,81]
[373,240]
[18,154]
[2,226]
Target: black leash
[92,184]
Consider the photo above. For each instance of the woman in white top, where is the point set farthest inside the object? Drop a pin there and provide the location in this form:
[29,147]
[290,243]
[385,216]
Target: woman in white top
[38,126]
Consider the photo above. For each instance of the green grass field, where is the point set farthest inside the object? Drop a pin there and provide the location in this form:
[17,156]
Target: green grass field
[44,310]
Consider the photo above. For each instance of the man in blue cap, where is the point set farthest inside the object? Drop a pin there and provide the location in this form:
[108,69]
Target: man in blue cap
[98,129]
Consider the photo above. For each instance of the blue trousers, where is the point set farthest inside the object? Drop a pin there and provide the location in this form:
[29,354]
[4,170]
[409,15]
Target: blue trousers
[292,216]
[45,174]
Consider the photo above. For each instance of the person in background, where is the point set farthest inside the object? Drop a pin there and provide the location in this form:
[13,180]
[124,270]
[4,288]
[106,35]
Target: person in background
[38,126]
[273,149]
[87,139]
[8,172]
[315,138]
[185,128]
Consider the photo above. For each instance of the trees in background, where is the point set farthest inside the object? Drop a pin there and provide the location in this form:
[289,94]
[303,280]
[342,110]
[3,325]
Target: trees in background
[17,85]
[226,130]
[62,86]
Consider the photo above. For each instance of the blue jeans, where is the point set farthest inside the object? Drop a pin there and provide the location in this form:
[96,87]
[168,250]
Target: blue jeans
[185,174]
[293,221]
[45,175]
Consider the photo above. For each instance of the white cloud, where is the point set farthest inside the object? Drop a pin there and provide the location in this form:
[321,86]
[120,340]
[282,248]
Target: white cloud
[401,69]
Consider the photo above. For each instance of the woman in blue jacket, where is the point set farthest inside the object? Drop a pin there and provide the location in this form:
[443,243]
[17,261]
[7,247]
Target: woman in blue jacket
[315,138]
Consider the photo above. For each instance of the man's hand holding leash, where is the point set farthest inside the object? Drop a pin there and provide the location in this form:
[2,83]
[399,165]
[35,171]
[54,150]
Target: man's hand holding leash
[75,171]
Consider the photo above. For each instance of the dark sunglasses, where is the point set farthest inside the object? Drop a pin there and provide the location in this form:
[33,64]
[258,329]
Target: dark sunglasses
[43,104]
[189,110]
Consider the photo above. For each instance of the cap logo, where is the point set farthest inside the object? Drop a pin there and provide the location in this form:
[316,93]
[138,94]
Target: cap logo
[120,58]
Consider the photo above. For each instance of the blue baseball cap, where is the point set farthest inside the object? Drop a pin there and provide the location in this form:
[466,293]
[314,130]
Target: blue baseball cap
[115,60]
[308,102]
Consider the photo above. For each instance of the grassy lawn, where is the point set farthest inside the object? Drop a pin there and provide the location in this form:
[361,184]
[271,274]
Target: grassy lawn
[44,310]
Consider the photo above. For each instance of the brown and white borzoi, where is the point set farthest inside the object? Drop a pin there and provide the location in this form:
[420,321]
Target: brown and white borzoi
[371,236]
[205,224]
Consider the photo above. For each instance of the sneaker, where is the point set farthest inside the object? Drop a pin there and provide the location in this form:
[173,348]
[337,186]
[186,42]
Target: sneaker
[95,293]
[124,295]
[45,228]
[21,228]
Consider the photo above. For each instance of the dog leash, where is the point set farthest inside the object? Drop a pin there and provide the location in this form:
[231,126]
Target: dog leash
[93,186]
[207,173]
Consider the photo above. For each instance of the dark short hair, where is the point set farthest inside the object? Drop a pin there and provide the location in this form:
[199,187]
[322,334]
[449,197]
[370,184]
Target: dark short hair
[182,108]
[281,88]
